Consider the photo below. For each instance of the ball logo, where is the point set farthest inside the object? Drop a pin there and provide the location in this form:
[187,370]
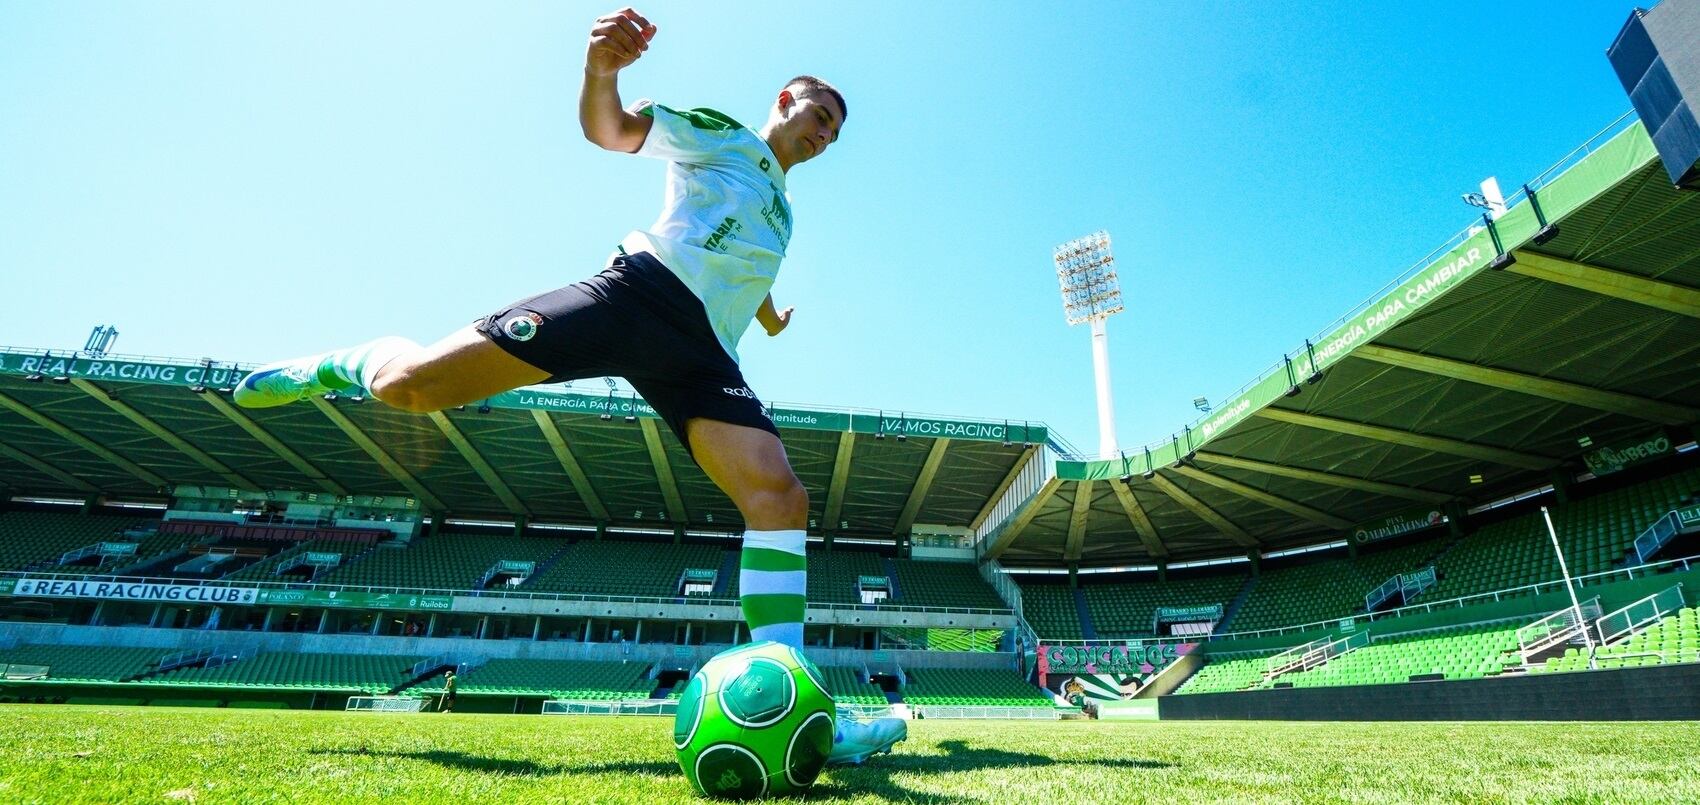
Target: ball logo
[522,327]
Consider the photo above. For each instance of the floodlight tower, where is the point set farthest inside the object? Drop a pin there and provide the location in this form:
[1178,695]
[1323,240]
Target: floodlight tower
[1086,270]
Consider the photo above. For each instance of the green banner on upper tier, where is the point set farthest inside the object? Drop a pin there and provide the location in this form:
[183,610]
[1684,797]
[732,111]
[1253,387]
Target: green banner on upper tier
[1397,524]
[354,600]
[118,548]
[1597,173]
[1688,517]
[132,591]
[6,586]
[215,375]
[1196,614]
[1628,453]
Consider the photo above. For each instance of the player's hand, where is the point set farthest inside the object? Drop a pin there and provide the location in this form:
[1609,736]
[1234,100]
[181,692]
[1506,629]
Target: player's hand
[780,321]
[617,40]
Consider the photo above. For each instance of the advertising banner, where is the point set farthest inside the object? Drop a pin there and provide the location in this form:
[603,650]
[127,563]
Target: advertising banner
[1211,612]
[1397,524]
[1688,518]
[355,600]
[1105,673]
[137,591]
[118,549]
[1621,455]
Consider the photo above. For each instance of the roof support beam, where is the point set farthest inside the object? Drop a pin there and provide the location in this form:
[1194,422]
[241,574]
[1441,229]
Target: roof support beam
[1141,523]
[918,495]
[570,466]
[1658,411]
[390,465]
[1325,478]
[663,472]
[1022,519]
[479,465]
[1077,521]
[996,497]
[144,422]
[1666,296]
[84,442]
[1204,512]
[1434,444]
[272,443]
[834,512]
[47,469]
[1317,516]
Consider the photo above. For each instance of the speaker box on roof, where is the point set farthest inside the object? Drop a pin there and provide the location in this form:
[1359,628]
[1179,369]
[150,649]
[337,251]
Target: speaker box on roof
[1657,58]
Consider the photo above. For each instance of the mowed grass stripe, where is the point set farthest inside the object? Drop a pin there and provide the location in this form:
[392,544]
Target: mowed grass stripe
[142,754]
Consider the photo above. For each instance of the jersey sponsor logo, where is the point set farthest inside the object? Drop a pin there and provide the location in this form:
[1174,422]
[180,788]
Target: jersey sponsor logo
[765,164]
[740,392]
[522,327]
[716,242]
[777,214]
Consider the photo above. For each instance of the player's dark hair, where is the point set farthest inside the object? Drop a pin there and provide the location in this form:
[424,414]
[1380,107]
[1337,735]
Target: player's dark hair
[810,83]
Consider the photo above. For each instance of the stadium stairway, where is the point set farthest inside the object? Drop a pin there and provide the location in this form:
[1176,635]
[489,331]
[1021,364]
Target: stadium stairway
[891,578]
[1087,630]
[1233,607]
[728,571]
[549,562]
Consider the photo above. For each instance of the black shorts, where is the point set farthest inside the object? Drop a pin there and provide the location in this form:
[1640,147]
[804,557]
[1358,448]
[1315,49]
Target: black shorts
[638,321]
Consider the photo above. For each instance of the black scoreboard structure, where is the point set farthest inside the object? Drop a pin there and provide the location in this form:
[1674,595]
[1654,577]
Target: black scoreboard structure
[1657,57]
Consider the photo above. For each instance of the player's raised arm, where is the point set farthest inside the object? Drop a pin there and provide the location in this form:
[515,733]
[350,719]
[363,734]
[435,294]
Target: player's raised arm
[616,40]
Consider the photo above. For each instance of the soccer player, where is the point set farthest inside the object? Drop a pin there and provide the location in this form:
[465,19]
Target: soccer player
[447,703]
[666,314]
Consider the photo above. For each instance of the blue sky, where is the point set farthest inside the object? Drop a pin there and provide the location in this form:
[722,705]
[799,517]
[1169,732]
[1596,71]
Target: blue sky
[249,182]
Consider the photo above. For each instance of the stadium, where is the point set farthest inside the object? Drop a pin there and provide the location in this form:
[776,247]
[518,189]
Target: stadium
[1472,500]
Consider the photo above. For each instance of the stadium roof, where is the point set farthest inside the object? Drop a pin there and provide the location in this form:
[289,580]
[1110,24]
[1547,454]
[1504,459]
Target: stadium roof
[1461,384]
[133,428]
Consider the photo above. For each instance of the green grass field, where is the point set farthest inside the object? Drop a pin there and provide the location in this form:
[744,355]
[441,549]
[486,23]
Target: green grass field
[113,754]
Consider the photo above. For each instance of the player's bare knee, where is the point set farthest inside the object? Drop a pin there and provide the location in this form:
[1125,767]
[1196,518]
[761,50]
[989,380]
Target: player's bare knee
[777,500]
[407,391]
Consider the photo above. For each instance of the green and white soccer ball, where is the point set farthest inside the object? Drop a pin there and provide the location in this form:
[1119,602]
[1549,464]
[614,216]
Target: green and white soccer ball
[755,721]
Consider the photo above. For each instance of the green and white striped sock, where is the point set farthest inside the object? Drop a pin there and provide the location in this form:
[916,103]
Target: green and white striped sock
[772,580]
[357,367]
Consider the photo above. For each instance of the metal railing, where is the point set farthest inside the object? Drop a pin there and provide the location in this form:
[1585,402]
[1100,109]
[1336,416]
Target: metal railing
[1559,628]
[1538,588]
[502,594]
[1654,537]
[1622,623]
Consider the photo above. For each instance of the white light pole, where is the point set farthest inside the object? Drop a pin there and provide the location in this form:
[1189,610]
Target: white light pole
[1575,603]
[1086,270]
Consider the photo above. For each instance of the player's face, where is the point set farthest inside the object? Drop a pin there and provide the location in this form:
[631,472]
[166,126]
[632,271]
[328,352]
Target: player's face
[810,126]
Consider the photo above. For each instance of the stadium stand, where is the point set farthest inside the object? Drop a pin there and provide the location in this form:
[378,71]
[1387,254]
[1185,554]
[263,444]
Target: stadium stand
[943,584]
[1126,608]
[266,569]
[84,663]
[972,687]
[833,574]
[1595,531]
[558,679]
[623,568]
[367,673]
[1329,588]
[1463,652]
[28,537]
[441,562]
[1675,638]
[1049,608]
[1219,676]
[846,686]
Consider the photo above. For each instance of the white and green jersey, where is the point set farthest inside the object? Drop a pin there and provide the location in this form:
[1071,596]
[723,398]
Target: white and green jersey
[727,220]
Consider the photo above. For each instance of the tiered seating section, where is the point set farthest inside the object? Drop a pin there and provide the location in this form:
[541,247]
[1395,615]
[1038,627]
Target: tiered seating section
[1675,638]
[943,584]
[28,536]
[1596,532]
[266,570]
[372,674]
[975,688]
[623,568]
[1331,588]
[833,574]
[85,663]
[846,686]
[1127,608]
[555,679]
[441,562]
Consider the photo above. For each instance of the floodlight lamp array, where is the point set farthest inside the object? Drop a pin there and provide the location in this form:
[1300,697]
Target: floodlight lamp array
[1086,272]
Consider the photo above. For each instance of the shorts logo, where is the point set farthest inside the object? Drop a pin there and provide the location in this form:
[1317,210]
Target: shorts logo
[743,392]
[522,327]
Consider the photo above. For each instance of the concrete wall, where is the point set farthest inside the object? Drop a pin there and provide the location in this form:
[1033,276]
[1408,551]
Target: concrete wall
[170,640]
[1658,693]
